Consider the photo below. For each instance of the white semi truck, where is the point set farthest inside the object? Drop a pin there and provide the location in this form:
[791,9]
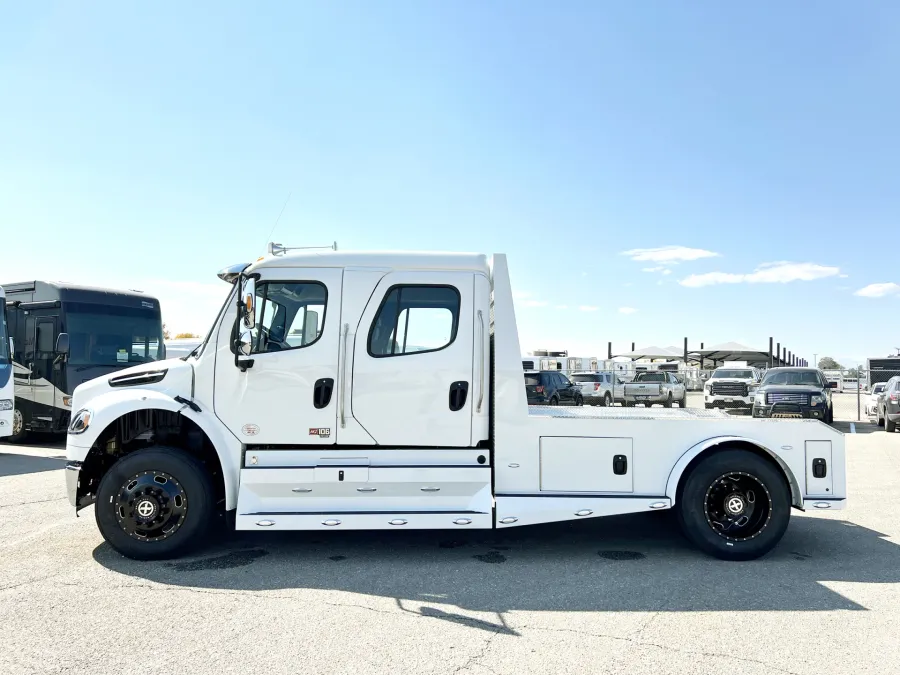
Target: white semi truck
[7,398]
[366,391]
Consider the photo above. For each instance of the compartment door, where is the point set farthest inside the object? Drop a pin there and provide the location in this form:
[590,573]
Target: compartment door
[819,470]
[586,464]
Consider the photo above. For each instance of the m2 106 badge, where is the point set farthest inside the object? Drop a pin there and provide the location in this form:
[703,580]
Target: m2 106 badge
[320,432]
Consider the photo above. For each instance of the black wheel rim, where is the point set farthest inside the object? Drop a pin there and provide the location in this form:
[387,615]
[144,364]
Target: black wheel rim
[738,506]
[150,506]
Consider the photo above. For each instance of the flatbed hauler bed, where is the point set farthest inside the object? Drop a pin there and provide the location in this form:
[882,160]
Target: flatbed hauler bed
[383,391]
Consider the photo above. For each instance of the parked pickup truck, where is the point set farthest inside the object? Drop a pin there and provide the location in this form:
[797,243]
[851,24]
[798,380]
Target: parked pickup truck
[731,388]
[399,404]
[648,388]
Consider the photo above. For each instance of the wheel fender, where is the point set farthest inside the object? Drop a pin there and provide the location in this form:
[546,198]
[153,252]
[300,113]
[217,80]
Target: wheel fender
[682,464]
[109,407]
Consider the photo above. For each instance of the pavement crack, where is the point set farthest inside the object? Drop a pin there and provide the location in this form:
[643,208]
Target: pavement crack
[475,658]
[634,640]
[36,501]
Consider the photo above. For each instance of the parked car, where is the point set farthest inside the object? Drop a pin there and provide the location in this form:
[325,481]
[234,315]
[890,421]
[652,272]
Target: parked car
[596,388]
[872,400]
[731,388]
[888,406]
[659,387]
[795,392]
[548,387]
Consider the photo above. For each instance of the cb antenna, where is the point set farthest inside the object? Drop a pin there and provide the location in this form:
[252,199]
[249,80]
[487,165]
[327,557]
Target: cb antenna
[283,206]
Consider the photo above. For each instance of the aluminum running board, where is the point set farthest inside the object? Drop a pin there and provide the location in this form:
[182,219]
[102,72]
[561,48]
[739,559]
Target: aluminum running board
[432,520]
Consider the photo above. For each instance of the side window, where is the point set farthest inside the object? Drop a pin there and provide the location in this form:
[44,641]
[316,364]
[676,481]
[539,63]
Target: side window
[45,338]
[291,315]
[415,320]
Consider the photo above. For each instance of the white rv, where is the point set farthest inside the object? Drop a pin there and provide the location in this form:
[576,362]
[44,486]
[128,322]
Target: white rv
[401,405]
[7,398]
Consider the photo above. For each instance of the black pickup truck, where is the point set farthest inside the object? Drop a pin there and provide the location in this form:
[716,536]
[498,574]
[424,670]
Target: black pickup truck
[795,392]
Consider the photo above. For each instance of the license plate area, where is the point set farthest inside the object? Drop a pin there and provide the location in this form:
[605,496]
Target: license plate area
[784,415]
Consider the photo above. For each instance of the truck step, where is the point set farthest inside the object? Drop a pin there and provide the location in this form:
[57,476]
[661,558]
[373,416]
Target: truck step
[417,520]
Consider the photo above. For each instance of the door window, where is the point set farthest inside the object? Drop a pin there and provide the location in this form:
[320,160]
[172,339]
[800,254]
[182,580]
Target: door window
[45,339]
[291,315]
[415,320]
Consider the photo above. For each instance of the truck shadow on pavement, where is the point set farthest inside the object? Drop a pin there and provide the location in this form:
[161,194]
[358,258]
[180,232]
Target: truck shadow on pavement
[623,563]
[12,464]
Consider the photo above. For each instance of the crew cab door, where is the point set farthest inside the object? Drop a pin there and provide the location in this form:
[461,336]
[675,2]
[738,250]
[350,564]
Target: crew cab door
[412,370]
[289,394]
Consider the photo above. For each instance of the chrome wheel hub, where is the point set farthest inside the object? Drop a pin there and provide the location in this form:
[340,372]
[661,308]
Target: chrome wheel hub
[18,422]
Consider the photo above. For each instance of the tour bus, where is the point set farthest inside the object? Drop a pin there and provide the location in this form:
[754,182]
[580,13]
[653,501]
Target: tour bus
[6,379]
[64,335]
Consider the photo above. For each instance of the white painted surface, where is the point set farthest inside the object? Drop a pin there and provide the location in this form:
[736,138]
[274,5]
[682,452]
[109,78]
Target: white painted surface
[584,464]
[819,487]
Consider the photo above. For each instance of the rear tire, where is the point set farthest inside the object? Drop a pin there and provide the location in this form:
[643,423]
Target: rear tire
[579,401]
[607,400]
[668,403]
[168,484]
[879,421]
[726,488]
[682,403]
[554,401]
[889,426]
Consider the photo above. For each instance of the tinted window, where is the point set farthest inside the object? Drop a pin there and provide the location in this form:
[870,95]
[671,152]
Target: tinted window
[586,378]
[291,315]
[650,377]
[111,335]
[415,319]
[743,374]
[529,365]
[793,377]
[45,336]
[532,380]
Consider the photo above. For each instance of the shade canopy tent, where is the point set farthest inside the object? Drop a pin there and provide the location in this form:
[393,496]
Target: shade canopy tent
[651,352]
[733,351]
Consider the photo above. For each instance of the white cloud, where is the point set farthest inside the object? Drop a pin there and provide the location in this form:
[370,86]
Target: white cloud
[588,308]
[562,307]
[660,269]
[627,310]
[769,273]
[843,276]
[879,290]
[667,271]
[668,255]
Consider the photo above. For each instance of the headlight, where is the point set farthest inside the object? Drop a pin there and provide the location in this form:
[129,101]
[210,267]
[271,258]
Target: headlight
[6,404]
[816,399]
[759,399]
[80,421]
[67,401]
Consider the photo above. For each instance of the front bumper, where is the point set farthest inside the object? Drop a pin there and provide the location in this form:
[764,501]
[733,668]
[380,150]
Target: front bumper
[73,471]
[796,411]
[719,401]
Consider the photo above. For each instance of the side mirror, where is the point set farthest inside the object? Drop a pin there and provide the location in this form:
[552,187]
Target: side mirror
[245,342]
[310,327]
[62,344]
[248,302]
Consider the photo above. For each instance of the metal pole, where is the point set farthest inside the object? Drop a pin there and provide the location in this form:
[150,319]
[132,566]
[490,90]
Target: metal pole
[770,352]
[609,350]
[778,354]
[858,387]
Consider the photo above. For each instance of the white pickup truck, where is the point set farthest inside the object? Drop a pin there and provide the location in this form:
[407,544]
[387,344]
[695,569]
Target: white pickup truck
[398,403]
[661,387]
[731,387]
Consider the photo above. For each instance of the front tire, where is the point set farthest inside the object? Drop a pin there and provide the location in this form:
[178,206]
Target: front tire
[607,400]
[682,403]
[734,505]
[19,428]
[579,401]
[889,426]
[155,503]
[554,401]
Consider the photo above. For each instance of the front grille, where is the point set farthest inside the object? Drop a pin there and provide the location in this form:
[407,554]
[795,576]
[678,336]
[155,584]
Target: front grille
[729,389]
[799,399]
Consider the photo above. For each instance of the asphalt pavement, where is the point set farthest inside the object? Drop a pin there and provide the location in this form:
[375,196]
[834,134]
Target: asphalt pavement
[615,595]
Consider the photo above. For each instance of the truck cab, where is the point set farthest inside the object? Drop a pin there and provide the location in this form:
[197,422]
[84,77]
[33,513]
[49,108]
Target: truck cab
[341,390]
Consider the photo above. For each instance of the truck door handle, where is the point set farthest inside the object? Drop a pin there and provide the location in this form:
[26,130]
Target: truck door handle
[458,393]
[322,390]
[820,468]
[620,465]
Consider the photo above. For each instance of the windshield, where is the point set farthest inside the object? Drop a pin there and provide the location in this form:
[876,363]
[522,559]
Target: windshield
[739,374]
[4,335]
[103,335]
[794,377]
[878,388]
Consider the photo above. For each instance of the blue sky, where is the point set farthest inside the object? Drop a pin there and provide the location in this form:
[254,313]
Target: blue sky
[147,147]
